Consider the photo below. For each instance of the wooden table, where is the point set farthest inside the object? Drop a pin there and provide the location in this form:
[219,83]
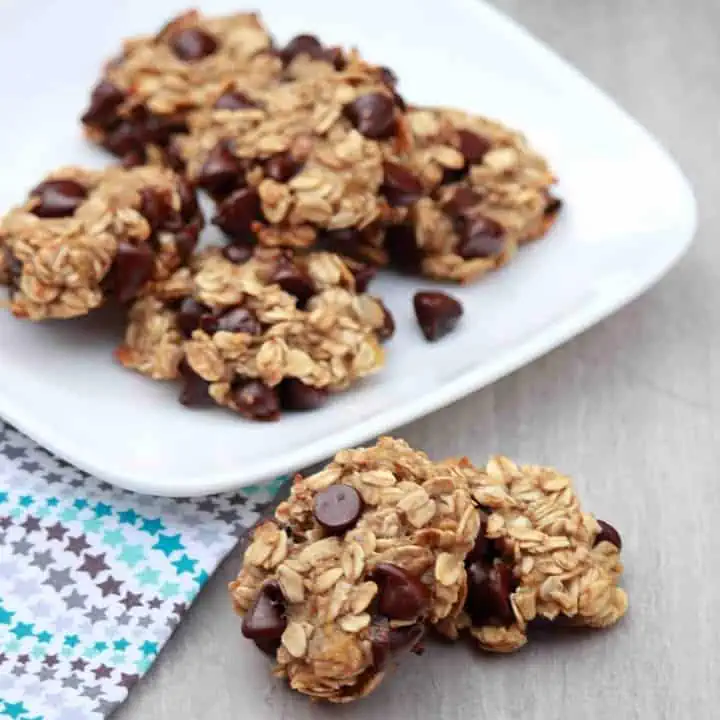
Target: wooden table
[631,409]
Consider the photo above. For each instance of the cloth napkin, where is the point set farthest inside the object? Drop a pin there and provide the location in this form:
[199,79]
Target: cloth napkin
[93,579]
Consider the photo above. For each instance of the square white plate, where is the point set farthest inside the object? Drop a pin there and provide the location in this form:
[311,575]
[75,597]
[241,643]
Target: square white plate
[629,216]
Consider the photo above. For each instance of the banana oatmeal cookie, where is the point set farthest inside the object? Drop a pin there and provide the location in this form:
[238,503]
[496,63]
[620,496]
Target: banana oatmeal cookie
[257,331]
[360,557]
[84,236]
[383,542]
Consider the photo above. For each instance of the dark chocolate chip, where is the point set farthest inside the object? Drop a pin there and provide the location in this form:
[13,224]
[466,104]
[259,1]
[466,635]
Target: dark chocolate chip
[237,253]
[265,620]
[186,239]
[346,241]
[364,275]
[156,207]
[159,129]
[190,316]
[191,44]
[400,187]
[14,270]
[437,313]
[296,395]
[221,172]
[388,327]
[255,400]
[282,167]
[473,147]
[127,142]
[104,102]
[453,175]
[235,100]
[294,281]
[554,205]
[188,200]
[463,201]
[480,237]
[608,534]
[403,249]
[489,589]
[302,45]
[174,156]
[388,77]
[373,115]
[58,198]
[132,268]
[237,213]
[482,547]
[386,641]
[336,57]
[337,509]
[401,596]
[194,392]
[239,320]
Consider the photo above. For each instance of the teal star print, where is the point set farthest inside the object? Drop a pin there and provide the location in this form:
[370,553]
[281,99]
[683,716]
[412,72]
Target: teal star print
[80,504]
[3,497]
[153,526]
[26,500]
[127,517]
[5,616]
[121,645]
[149,648]
[102,510]
[22,630]
[169,589]
[52,502]
[14,710]
[132,554]
[113,538]
[44,637]
[71,640]
[185,565]
[168,544]
[148,576]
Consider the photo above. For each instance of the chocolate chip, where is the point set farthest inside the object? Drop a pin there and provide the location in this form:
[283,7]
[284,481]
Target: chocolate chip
[192,44]
[104,101]
[282,167]
[337,508]
[554,205]
[132,268]
[234,100]
[608,534]
[221,172]
[174,157]
[302,45]
[188,200]
[127,142]
[400,187]
[387,330]
[346,241]
[489,589]
[336,57]
[472,146]
[58,198]
[437,313]
[482,547]
[190,316]
[386,641]
[364,275]
[265,620]
[294,281]
[255,400]
[388,77]
[463,200]
[194,392]
[480,237]
[239,320]
[14,270]
[403,249]
[237,253]
[186,239]
[401,596]
[236,214]
[159,129]
[296,395]
[373,115]
[156,207]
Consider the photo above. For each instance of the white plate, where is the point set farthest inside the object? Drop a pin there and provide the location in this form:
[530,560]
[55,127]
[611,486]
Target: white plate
[630,215]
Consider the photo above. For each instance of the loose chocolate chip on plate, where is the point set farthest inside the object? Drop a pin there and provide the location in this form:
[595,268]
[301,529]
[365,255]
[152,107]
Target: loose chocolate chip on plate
[104,101]
[480,237]
[400,187]
[255,400]
[234,100]
[473,147]
[302,45]
[296,395]
[373,115]
[237,253]
[239,320]
[190,316]
[608,534]
[132,268]
[222,171]
[194,392]
[265,621]
[282,167]
[437,313]
[489,588]
[401,596]
[337,508]
[294,281]
[237,213]
[193,44]
[58,198]
[403,249]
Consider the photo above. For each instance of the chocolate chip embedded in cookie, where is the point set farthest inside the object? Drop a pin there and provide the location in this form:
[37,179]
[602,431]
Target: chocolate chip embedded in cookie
[276,331]
[359,559]
[87,236]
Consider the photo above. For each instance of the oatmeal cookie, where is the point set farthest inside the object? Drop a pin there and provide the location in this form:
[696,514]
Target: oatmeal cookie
[361,556]
[84,236]
[263,330]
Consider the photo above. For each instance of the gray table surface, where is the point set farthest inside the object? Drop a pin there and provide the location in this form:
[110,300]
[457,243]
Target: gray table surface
[631,409]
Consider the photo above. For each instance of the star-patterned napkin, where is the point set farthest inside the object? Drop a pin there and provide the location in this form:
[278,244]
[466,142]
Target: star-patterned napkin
[93,580]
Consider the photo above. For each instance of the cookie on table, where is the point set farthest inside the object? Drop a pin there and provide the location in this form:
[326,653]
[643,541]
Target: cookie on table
[537,556]
[263,331]
[359,559]
[301,164]
[486,191]
[85,236]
